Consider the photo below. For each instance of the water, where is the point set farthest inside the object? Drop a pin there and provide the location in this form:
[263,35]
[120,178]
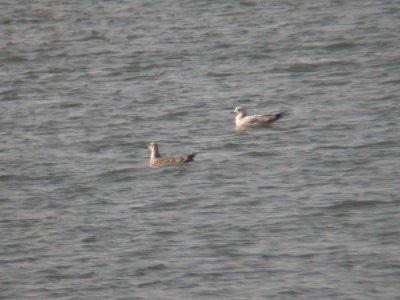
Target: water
[307,209]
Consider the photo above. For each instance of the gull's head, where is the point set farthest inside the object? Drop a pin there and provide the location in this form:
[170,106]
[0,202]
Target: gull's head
[239,110]
[152,146]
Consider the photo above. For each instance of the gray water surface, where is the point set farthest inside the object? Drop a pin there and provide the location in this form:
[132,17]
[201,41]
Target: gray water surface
[306,209]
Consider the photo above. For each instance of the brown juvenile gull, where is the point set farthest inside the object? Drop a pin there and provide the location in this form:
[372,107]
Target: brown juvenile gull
[157,161]
[243,121]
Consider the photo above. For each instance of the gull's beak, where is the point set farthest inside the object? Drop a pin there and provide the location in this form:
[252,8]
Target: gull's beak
[233,113]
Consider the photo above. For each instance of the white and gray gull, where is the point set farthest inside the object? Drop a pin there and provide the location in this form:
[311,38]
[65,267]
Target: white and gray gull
[244,122]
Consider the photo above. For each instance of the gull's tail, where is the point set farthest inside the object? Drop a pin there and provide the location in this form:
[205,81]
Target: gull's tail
[190,157]
[280,115]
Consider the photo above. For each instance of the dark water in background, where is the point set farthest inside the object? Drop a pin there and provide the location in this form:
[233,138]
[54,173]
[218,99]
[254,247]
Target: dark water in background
[308,209]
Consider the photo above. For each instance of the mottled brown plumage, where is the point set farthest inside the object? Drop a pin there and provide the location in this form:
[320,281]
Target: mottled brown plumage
[157,161]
